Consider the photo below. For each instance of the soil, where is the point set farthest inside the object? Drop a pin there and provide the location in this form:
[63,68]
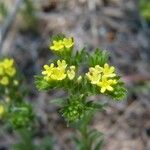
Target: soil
[112,25]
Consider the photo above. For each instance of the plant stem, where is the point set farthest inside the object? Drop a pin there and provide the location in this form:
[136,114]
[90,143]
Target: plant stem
[84,134]
[84,129]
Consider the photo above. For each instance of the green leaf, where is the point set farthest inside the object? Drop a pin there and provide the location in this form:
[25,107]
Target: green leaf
[98,58]
[99,145]
[119,93]
[95,137]
[58,101]
[25,140]
[58,37]
[41,84]
[96,105]
[47,144]
[77,140]
[79,57]
[94,134]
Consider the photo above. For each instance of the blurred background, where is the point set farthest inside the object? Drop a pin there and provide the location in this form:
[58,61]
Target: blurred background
[122,27]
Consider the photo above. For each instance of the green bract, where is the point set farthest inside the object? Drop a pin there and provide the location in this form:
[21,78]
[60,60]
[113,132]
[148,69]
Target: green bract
[74,110]
[21,115]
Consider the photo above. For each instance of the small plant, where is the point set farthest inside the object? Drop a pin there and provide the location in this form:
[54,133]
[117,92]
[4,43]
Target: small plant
[14,110]
[27,139]
[81,75]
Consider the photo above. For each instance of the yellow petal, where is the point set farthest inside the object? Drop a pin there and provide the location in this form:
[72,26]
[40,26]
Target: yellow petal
[109,88]
[46,67]
[72,67]
[71,74]
[106,65]
[44,72]
[103,89]
[68,42]
[112,69]
[4,80]
[11,71]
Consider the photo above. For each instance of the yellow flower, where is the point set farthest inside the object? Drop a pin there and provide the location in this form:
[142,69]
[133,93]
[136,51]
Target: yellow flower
[2,110]
[94,74]
[11,71]
[71,72]
[55,73]
[108,71]
[8,63]
[57,45]
[68,42]
[62,64]
[48,71]
[58,74]
[106,84]
[98,69]
[61,44]
[7,68]
[4,80]
[102,76]
[59,71]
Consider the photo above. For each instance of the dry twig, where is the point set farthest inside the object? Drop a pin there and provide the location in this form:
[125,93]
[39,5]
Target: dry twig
[8,23]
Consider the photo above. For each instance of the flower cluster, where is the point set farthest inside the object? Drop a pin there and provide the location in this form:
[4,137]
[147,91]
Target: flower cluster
[102,77]
[71,65]
[52,73]
[7,71]
[60,45]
